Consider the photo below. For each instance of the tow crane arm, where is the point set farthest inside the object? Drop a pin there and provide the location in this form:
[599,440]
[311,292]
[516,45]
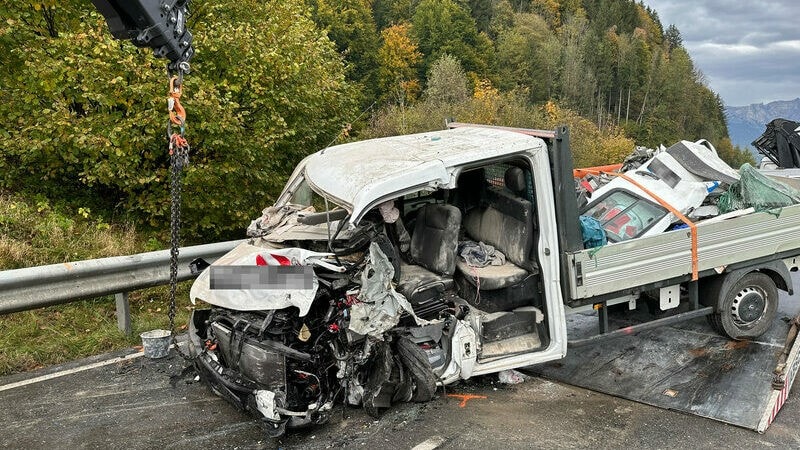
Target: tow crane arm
[157,24]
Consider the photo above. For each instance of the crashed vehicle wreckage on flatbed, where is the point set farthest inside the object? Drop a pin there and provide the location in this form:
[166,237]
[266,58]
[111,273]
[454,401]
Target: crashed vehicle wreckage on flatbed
[393,266]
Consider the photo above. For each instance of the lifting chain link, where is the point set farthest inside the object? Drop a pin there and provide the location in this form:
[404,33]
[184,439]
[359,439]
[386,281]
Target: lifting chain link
[178,160]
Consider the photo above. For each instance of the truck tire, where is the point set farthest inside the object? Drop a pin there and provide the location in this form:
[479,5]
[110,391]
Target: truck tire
[419,368]
[745,309]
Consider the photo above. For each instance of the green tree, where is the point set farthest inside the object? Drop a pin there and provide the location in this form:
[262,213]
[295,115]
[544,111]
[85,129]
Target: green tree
[735,156]
[679,105]
[601,56]
[577,83]
[633,68]
[524,61]
[447,82]
[349,24]
[673,37]
[393,12]
[605,14]
[648,22]
[550,10]
[442,26]
[481,11]
[502,18]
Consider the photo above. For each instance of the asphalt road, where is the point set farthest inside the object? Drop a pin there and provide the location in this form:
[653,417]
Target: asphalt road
[140,403]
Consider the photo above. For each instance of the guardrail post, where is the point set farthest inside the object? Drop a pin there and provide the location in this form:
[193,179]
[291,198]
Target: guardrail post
[123,312]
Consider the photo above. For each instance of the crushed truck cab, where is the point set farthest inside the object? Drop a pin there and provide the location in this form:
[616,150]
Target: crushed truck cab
[392,266]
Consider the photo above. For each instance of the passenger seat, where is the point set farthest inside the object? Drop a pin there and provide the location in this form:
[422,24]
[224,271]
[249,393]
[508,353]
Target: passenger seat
[505,221]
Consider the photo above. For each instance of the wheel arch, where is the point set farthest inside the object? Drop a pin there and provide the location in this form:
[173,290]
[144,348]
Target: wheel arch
[776,270]
[780,275]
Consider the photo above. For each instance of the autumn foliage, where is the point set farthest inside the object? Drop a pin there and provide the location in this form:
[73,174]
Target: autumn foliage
[82,116]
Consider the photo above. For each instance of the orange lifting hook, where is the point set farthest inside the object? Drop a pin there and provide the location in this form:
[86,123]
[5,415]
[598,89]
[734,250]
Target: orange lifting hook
[177,114]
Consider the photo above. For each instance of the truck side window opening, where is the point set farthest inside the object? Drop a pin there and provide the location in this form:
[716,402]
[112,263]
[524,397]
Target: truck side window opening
[410,204]
[495,176]
[625,216]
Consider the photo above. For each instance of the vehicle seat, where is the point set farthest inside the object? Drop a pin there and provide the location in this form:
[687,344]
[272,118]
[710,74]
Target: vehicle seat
[505,221]
[514,179]
[471,188]
[433,255]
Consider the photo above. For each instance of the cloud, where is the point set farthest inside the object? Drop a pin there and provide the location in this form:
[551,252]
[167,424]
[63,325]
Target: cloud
[748,51]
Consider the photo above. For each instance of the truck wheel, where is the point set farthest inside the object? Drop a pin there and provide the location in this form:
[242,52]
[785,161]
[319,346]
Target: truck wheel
[415,359]
[746,309]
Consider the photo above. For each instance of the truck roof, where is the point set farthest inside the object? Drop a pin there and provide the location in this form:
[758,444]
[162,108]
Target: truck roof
[358,174]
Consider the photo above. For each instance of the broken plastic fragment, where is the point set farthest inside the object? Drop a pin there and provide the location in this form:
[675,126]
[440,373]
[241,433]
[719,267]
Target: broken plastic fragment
[704,212]
[265,403]
[511,376]
[275,217]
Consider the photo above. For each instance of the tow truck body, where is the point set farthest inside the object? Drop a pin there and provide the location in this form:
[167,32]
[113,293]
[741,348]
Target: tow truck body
[513,189]
[684,366]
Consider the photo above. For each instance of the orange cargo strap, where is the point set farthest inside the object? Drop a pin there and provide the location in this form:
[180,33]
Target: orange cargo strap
[580,173]
[669,207]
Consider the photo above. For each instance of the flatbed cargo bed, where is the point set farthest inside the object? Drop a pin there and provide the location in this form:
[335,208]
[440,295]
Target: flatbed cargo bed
[618,267]
[685,367]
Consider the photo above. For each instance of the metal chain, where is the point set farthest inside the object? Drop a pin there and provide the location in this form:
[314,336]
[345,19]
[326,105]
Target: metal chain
[178,160]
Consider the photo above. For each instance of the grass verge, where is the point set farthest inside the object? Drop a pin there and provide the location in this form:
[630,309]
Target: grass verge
[34,232]
[34,339]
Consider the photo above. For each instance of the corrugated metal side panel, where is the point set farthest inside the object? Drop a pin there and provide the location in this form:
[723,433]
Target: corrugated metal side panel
[648,260]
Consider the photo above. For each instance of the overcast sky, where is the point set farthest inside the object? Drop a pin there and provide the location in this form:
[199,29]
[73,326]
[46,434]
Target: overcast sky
[749,51]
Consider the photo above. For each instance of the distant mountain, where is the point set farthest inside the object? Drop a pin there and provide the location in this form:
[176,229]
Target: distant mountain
[746,123]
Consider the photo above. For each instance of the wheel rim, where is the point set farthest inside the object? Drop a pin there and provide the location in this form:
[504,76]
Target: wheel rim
[749,306]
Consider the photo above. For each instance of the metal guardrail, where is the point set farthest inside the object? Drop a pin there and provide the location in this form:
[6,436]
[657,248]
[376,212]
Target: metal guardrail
[37,287]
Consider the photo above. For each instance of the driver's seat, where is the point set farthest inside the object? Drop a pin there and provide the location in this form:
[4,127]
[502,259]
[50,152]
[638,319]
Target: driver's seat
[433,255]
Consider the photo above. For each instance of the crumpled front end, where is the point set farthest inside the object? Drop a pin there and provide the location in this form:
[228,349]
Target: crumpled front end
[358,341]
[243,358]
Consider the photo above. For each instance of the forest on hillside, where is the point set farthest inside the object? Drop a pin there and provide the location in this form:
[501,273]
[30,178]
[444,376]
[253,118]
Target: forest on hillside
[82,116]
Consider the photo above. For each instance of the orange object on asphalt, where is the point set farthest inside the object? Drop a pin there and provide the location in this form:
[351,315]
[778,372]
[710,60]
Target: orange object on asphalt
[465,398]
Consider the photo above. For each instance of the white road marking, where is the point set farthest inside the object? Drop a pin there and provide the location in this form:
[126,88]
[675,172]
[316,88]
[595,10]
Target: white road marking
[62,373]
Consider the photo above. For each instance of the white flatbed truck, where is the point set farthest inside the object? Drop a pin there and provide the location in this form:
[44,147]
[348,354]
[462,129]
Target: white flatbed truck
[741,261]
[514,189]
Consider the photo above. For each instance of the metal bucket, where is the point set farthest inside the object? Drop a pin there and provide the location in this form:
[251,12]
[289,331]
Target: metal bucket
[156,343]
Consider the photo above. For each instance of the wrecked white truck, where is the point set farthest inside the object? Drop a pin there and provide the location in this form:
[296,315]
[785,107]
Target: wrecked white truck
[393,266]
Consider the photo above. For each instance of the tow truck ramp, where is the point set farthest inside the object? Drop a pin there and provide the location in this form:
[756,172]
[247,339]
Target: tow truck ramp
[686,367]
